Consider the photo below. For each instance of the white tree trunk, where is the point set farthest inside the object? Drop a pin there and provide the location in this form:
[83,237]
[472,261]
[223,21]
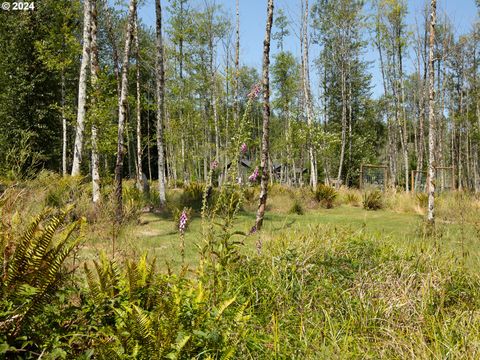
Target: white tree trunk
[160,83]
[308,99]
[94,70]
[138,110]
[236,110]
[82,92]
[266,121]
[64,129]
[431,118]
[344,128]
[122,110]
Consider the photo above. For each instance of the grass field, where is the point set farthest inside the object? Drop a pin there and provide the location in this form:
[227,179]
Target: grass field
[158,236]
[338,283]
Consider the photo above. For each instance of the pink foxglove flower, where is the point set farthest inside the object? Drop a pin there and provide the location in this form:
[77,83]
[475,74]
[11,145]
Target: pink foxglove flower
[252,178]
[182,225]
[254,92]
[214,165]
[243,148]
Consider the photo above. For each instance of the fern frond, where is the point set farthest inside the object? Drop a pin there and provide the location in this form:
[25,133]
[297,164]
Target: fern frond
[149,280]
[102,274]
[92,283]
[239,316]
[143,327]
[179,345]
[36,253]
[223,306]
[133,277]
[228,354]
[115,277]
[50,261]
[18,264]
[50,281]
[109,353]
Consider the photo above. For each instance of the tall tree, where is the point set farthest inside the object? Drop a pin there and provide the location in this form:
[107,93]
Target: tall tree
[431,117]
[58,51]
[236,109]
[281,23]
[264,164]
[421,52]
[122,110]
[181,30]
[308,96]
[286,84]
[346,84]
[139,175]
[82,91]
[160,87]
[94,70]
[391,40]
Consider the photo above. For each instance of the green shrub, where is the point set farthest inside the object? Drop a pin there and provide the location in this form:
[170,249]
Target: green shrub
[179,184]
[249,193]
[61,190]
[373,200]
[227,200]
[297,208]
[352,199]
[326,195]
[422,199]
[192,196]
[278,189]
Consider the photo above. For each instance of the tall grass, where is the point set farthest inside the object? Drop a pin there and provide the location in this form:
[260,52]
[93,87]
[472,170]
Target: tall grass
[326,293]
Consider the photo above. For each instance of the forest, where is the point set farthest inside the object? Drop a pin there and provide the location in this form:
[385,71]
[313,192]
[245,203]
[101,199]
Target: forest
[177,184]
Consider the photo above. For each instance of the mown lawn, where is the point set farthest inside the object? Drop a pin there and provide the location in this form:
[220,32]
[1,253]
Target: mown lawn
[158,236]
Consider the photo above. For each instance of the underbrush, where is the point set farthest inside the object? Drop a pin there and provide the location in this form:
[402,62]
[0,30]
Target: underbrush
[373,200]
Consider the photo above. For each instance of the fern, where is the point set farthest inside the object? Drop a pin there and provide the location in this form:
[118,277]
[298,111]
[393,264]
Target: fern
[179,345]
[33,272]
[223,306]
[109,353]
[144,330]
[228,354]
[92,283]
[17,265]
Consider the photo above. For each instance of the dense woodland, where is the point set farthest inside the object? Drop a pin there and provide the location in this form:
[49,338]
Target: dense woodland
[63,85]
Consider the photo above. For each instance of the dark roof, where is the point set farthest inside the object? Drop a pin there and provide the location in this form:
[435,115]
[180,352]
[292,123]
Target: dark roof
[244,162]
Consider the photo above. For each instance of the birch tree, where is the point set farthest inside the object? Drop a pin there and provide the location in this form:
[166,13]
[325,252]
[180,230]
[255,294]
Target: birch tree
[122,109]
[160,89]
[94,70]
[82,91]
[236,109]
[264,164]
[431,117]
[139,175]
[390,42]
[308,96]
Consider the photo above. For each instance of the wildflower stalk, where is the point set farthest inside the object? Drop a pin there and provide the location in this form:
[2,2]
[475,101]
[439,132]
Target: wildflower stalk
[182,226]
[182,248]
[230,195]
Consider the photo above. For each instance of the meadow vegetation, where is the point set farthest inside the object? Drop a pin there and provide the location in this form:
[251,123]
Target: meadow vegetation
[327,282]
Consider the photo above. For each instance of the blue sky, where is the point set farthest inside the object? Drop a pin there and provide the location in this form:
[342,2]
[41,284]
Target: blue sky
[462,14]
